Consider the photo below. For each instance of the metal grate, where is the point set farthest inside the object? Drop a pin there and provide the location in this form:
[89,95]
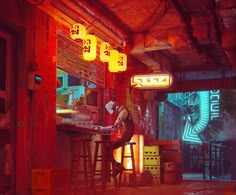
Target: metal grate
[225,13]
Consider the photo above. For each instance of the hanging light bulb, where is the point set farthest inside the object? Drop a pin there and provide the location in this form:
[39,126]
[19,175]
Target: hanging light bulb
[113,65]
[105,51]
[77,31]
[89,47]
[122,62]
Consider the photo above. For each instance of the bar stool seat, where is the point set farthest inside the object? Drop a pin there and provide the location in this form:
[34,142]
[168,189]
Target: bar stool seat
[107,166]
[81,152]
[128,155]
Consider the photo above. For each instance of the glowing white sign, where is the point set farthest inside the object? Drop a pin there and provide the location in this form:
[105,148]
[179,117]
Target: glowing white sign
[152,81]
[215,104]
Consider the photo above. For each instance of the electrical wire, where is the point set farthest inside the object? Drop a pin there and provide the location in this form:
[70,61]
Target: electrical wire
[156,16]
[35,2]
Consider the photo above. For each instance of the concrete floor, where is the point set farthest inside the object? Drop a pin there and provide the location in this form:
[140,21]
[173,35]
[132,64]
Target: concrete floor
[183,188]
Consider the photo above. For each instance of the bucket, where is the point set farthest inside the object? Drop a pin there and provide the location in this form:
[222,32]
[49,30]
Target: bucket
[169,167]
[169,173]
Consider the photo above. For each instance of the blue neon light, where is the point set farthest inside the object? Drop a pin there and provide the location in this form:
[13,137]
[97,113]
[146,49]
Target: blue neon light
[191,130]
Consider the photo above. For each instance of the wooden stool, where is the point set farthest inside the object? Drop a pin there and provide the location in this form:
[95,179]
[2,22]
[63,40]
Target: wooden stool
[81,149]
[131,157]
[107,166]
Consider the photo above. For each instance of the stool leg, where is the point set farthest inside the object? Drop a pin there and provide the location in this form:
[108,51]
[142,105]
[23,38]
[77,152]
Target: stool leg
[84,156]
[75,162]
[81,148]
[104,166]
[95,158]
[112,163]
[132,158]
[90,165]
[122,163]
[133,164]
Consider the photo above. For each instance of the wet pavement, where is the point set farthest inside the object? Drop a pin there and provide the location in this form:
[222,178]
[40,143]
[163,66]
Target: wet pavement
[183,188]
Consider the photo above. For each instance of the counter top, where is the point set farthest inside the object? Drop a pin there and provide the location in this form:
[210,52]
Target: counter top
[69,127]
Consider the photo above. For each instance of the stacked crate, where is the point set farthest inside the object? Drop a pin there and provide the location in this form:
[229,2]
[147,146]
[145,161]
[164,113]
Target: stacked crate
[50,181]
[151,156]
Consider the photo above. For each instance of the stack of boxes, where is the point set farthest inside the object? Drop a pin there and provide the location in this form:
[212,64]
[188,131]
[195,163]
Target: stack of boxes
[50,181]
[152,162]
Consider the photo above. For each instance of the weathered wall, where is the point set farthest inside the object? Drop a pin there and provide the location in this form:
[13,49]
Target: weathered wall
[34,35]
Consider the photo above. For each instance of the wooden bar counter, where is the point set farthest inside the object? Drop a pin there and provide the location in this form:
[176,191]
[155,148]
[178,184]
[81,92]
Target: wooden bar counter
[65,131]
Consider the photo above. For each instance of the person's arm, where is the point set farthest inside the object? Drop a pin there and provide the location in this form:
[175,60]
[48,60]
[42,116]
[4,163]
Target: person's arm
[122,116]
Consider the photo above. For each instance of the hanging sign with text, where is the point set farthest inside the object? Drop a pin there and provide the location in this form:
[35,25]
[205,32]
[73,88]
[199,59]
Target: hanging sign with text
[152,81]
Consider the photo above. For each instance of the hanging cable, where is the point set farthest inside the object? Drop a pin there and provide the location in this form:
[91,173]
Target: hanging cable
[35,2]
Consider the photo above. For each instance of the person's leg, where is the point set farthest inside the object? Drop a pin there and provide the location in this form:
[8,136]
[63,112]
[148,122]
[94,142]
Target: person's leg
[118,142]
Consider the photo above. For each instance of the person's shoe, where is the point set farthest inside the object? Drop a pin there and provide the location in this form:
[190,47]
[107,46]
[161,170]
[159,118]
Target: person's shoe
[118,168]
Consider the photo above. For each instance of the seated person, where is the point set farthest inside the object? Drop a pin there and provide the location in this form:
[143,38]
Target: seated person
[123,119]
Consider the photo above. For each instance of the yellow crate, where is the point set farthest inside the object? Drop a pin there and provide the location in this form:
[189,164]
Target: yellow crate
[50,178]
[151,160]
[156,180]
[42,192]
[154,170]
[41,178]
[151,150]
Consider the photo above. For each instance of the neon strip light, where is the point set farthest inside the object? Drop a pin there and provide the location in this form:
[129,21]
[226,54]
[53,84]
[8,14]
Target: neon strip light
[191,131]
[141,145]
[214,104]
[189,134]
[152,81]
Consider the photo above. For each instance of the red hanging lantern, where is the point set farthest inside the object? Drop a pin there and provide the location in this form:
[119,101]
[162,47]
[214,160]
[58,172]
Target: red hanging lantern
[105,51]
[77,31]
[89,47]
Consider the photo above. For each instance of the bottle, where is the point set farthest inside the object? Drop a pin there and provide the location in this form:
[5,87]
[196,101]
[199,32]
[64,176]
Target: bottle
[81,100]
[77,102]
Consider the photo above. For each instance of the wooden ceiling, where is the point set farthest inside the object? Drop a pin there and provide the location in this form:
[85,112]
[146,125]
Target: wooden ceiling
[194,40]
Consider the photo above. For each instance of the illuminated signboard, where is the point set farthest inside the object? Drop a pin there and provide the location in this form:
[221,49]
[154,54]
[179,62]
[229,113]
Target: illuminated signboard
[152,81]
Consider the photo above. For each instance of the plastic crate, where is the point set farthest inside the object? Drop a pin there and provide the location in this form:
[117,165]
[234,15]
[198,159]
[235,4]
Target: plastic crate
[156,180]
[52,179]
[152,160]
[42,192]
[41,179]
[154,170]
[151,150]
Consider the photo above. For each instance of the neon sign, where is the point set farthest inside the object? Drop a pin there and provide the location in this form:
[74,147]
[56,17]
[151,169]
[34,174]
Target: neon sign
[152,81]
[192,130]
[215,104]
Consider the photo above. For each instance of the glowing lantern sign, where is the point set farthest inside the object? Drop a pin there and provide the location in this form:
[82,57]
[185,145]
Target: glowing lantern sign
[89,47]
[152,81]
[113,64]
[105,51]
[77,31]
[122,62]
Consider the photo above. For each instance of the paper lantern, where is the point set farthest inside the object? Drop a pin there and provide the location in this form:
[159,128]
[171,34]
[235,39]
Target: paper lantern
[113,63]
[122,62]
[77,31]
[105,51]
[89,47]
